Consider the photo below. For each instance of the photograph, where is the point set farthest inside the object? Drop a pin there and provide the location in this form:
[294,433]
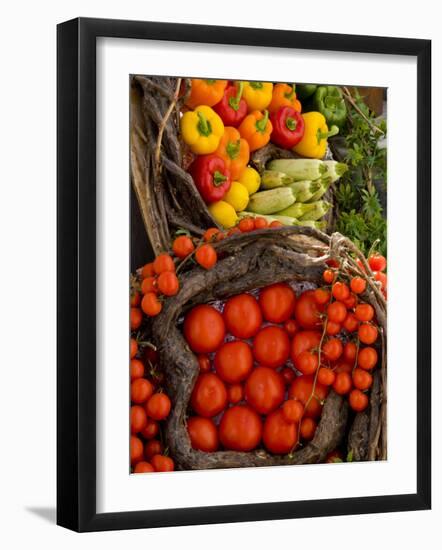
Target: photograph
[258,273]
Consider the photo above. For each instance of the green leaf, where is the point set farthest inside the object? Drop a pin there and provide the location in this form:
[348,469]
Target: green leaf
[350,456]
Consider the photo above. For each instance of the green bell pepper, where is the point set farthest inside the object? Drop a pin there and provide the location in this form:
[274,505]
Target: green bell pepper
[303,91]
[329,101]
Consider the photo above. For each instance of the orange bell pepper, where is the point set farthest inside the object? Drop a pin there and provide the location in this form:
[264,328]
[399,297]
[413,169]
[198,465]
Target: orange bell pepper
[206,92]
[256,129]
[284,96]
[234,151]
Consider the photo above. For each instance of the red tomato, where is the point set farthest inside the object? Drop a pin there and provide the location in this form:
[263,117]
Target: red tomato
[381,278]
[136,449]
[246,225]
[260,223]
[183,246]
[204,363]
[264,390]
[235,393]
[203,434]
[342,383]
[143,468]
[209,396]
[140,390]
[275,223]
[210,234]
[368,334]
[358,400]
[133,348]
[135,298]
[332,349]
[288,374]
[242,316]
[136,369]
[304,340]
[350,322]
[147,271]
[162,463]
[168,283]
[271,347]
[377,262]
[326,376]
[333,328]
[206,256]
[136,318]
[149,284]
[322,296]
[367,358]
[340,291]
[307,311]
[362,379]
[233,361]
[350,302]
[302,388]
[364,312]
[138,419]
[308,428]
[350,351]
[240,429]
[291,327]
[151,429]
[152,448]
[336,312]
[334,456]
[358,285]
[151,305]
[158,407]
[278,435]
[277,302]
[293,410]
[204,329]
[328,276]
[162,263]
[343,367]
[307,362]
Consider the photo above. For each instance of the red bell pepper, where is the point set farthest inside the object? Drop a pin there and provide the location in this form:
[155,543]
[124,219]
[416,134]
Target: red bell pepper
[211,177]
[288,127]
[232,109]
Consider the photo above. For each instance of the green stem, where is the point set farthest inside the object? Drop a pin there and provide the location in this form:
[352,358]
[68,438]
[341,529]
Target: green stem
[256,85]
[204,127]
[324,135]
[218,178]
[291,123]
[233,148]
[262,123]
[234,101]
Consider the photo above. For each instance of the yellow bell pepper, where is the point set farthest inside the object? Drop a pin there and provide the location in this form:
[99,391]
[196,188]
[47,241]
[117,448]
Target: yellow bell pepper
[314,142]
[202,130]
[257,95]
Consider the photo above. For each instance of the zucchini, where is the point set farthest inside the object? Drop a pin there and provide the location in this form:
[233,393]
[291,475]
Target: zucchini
[297,209]
[321,225]
[273,200]
[319,210]
[271,179]
[304,190]
[334,169]
[323,184]
[299,169]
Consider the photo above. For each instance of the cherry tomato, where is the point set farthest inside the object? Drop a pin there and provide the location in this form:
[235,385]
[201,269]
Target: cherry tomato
[152,448]
[271,347]
[204,363]
[162,463]
[291,327]
[358,401]
[151,430]
[362,380]
[133,348]
[332,262]
[209,396]
[367,358]
[342,383]
[304,340]
[322,296]
[278,435]
[260,223]
[246,225]
[308,429]
[140,390]
[350,322]
[368,334]
[288,374]
[377,262]
[163,262]
[136,369]
[149,284]
[233,231]
[264,390]
[343,367]
[210,234]
[168,283]
[138,419]
[334,456]
[293,410]
[183,246]
[204,329]
[358,285]
[340,291]
[326,376]
[275,223]
[143,468]
[307,311]
[307,362]
[350,302]
[136,449]
[148,271]
[240,428]
[242,316]
[277,302]
[333,349]
[235,393]
[364,312]
[203,434]
[151,305]
[135,298]
[302,389]
[336,312]
[381,278]
[158,407]
[233,361]
[136,318]
[333,328]
[206,256]
[328,276]
[349,353]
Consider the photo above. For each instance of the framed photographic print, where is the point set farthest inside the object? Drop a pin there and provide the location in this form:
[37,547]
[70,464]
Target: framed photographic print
[231,203]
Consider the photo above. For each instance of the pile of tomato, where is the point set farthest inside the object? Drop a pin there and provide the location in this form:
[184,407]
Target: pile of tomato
[268,362]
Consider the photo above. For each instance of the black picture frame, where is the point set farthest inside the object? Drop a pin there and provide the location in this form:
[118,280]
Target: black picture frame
[76,273]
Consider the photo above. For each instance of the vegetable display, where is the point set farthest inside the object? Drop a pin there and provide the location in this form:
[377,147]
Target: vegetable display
[257,333]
